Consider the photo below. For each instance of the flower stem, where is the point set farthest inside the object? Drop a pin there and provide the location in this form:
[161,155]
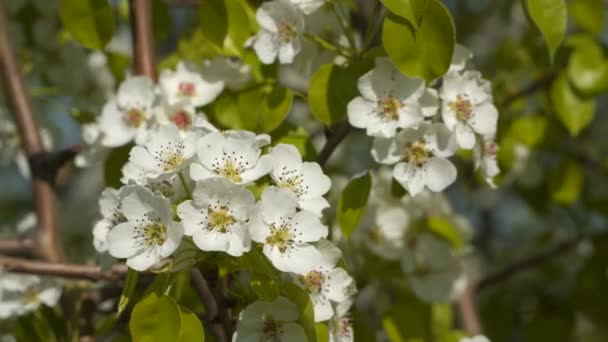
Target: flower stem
[185,185]
[327,45]
[347,32]
[371,30]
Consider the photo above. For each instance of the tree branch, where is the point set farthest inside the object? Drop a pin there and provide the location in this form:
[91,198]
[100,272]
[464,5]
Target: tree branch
[211,308]
[540,83]
[47,243]
[56,269]
[335,135]
[468,312]
[22,246]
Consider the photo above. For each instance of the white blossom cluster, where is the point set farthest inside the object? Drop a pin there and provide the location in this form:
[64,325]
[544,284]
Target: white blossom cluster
[21,294]
[395,229]
[402,114]
[186,179]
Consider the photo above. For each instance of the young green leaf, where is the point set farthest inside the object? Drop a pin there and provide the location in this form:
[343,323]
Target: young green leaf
[426,52]
[214,21]
[566,182]
[127,291]
[192,329]
[588,14]
[551,19]
[113,165]
[410,10]
[307,312]
[574,112]
[155,318]
[90,22]
[588,69]
[264,287]
[352,203]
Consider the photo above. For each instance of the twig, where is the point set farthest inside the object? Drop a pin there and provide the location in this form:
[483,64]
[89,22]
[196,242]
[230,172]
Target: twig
[335,135]
[468,312]
[211,318]
[47,243]
[540,83]
[57,269]
[15,247]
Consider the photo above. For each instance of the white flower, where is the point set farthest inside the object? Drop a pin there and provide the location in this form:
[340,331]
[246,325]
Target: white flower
[385,237]
[234,156]
[341,326]
[125,117]
[460,57]
[27,222]
[149,233]
[217,216]
[305,179]
[484,155]
[112,215]
[308,6]
[467,108]
[285,233]
[431,267]
[171,187]
[165,153]
[476,338]
[281,26]
[181,114]
[324,282]
[94,151]
[269,321]
[389,100]
[22,294]
[229,69]
[183,85]
[420,156]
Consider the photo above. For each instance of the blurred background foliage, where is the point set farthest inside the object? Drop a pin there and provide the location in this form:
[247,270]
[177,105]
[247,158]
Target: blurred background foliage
[546,225]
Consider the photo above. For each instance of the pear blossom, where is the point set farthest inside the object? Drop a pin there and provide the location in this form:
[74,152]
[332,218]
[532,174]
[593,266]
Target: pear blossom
[231,70]
[385,237]
[94,151]
[341,325]
[281,26]
[165,153]
[22,294]
[420,157]
[269,321]
[126,116]
[181,114]
[148,233]
[189,87]
[169,187]
[285,233]
[467,107]
[217,216]
[476,338]
[389,100]
[431,267]
[324,282]
[112,215]
[234,156]
[484,155]
[305,179]
[308,6]
[460,57]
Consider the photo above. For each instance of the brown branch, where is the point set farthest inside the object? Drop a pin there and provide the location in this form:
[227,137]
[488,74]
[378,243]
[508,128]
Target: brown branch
[540,83]
[47,243]
[335,135]
[468,312]
[57,269]
[211,317]
[15,247]
[143,40]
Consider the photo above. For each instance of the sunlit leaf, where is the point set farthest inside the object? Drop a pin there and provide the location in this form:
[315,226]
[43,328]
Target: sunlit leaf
[155,318]
[352,203]
[90,22]
[551,19]
[573,111]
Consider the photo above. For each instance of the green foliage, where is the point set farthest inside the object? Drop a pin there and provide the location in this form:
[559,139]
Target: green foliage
[409,319]
[127,291]
[322,332]
[264,287]
[82,117]
[551,19]
[566,182]
[529,129]
[113,165]
[444,228]
[161,19]
[226,24]
[587,68]
[192,329]
[307,314]
[352,203]
[591,296]
[410,10]
[156,318]
[90,22]
[574,112]
[296,136]
[588,14]
[426,52]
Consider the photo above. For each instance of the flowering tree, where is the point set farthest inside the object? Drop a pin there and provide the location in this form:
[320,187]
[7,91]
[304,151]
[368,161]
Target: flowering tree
[306,170]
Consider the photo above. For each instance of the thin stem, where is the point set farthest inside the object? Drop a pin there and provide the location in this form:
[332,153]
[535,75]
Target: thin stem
[369,32]
[325,44]
[468,312]
[185,185]
[348,33]
[47,239]
[56,269]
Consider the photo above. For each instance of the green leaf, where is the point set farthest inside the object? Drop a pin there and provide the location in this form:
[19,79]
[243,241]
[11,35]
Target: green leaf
[411,10]
[90,22]
[425,53]
[588,14]
[113,165]
[322,332]
[127,291]
[330,90]
[551,19]
[214,21]
[82,117]
[274,108]
[529,129]
[257,262]
[307,314]
[155,318]
[118,65]
[264,287]
[566,182]
[442,227]
[161,19]
[588,69]
[352,203]
[408,319]
[287,133]
[192,329]
[573,111]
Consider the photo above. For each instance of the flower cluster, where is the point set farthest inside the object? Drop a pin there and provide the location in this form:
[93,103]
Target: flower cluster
[22,294]
[401,113]
[185,179]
